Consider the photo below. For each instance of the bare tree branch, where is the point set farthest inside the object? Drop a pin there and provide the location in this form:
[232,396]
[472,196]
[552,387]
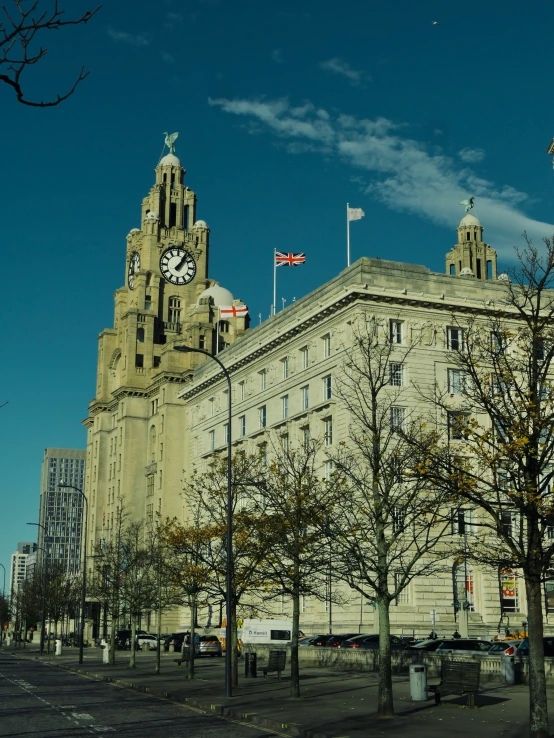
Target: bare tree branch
[18,28]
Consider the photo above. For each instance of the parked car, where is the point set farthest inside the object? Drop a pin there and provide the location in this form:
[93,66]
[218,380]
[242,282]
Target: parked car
[336,641]
[175,639]
[548,642]
[467,646]
[208,645]
[315,640]
[505,648]
[147,638]
[427,645]
[365,642]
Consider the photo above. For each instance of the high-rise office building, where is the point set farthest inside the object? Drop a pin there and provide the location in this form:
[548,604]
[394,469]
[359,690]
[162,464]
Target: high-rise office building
[61,509]
[18,568]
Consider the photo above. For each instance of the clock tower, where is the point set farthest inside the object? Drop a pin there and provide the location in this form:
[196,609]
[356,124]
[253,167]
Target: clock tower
[136,424]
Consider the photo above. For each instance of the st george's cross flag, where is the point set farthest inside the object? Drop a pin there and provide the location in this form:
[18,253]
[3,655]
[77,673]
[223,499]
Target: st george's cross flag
[233,311]
[289,259]
[355,213]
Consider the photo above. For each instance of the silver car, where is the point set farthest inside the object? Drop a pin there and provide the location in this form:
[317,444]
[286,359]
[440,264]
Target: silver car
[208,646]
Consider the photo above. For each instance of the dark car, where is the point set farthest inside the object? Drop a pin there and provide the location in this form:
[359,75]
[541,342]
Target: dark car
[123,638]
[336,641]
[548,642]
[176,639]
[366,642]
[428,645]
[321,640]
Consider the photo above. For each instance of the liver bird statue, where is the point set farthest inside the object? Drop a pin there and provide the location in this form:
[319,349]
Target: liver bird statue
[170,139]
[468,204]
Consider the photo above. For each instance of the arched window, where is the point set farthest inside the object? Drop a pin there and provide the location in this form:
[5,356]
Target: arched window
[224,326]
[464,586]
[174,315]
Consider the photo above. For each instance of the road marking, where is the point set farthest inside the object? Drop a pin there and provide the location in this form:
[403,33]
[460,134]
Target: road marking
[82,716]
[103,728]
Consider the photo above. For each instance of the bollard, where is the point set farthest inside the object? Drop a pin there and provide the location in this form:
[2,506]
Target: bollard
[250,665]
[508,669]
[171,648]
[418,682]
[145,646]
[58,651]
[106,653]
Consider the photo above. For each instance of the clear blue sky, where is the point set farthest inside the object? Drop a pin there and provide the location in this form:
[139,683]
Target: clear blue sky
[287,110]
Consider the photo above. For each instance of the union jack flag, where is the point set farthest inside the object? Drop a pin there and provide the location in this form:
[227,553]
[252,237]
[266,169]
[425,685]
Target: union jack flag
[289,259]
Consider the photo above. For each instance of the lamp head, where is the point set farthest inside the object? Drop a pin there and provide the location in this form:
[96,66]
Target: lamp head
[184,349]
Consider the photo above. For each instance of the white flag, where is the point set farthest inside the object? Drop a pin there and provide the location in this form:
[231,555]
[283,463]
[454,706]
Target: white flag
[355,213]
[233,311]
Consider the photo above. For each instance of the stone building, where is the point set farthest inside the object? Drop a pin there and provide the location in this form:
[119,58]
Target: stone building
[158,413]
[18,565]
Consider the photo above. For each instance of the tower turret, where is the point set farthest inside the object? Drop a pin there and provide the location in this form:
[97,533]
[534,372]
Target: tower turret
[471,252]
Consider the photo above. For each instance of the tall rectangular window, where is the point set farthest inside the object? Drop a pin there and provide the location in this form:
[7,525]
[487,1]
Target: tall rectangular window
[327,387]
[285,406]
[211,440]
[396,375]
[457,380]
[397,418]
[326,346]
[242,426]
[395,331]
[139,360]
[457,424]
[226,433]
[242,390]
[403,597]
[328,431]
[398,515]
[462,520]
[174,311]
[305,393]
[304,357]
[498,342]
[455,338]
[263,380]
[285,442]
[212,406]
[328,469]
[285,364]
[306,437]
[262,416]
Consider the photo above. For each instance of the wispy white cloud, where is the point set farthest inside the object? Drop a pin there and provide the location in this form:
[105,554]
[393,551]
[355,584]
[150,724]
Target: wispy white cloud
[343,68]
[406,175]
[168,59]
[471,156]
[140,39]
[175,17]
[277,56]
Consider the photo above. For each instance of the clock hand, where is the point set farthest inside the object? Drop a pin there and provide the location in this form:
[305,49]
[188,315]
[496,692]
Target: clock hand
[180,264]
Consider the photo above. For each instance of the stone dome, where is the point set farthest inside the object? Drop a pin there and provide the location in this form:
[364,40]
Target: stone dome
[469,220]
[220,295]
[152,216]
[466,272]
[504,277]
[169,160]
[200,224]
[134,230]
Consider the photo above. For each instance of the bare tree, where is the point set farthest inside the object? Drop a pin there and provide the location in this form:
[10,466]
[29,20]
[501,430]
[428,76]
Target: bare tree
[493,448]
[391,524]
[22,21]
[293,504]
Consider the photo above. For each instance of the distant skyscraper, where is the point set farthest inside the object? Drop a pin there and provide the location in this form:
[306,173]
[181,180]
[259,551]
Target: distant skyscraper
[18,569]
[61,510]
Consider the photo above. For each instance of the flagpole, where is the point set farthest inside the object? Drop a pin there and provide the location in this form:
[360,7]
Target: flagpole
[217,330]
[274,281]
[347,238]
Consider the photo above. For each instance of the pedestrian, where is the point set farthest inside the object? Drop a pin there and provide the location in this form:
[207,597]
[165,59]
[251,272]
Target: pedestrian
[432,636]
[456,634]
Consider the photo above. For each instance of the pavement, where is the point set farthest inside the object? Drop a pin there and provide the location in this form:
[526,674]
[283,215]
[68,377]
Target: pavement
[333,703]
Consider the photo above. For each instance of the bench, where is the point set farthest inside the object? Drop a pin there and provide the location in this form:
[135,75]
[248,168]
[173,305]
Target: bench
[458,677]
[185,656]
[277,660]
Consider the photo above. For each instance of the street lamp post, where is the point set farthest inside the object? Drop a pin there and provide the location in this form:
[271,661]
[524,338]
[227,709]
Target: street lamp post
[84,583]
[229,546]
[3,596]
[43,607]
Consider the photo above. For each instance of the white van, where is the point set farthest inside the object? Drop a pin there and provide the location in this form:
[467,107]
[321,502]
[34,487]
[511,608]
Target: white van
[265,631]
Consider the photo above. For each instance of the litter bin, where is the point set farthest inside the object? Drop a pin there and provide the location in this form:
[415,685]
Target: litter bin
[58,647]
[508,669]
[418,682]
[250,665]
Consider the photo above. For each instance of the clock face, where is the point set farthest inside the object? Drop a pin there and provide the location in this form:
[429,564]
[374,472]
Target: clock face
[134,266]
[177,266]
